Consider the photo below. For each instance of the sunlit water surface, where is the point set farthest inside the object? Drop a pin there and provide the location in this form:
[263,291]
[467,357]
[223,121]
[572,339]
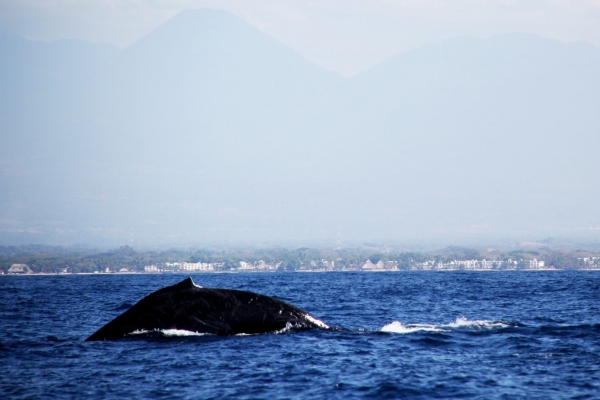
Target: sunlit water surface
[395,335]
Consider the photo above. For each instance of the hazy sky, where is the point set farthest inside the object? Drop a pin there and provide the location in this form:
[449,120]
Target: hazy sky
[209,131]
[346,36]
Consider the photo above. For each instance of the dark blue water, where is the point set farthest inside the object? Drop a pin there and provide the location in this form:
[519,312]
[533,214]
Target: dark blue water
[457,335]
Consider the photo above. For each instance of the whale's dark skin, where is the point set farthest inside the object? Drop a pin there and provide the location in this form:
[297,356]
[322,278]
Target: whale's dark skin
[189,307]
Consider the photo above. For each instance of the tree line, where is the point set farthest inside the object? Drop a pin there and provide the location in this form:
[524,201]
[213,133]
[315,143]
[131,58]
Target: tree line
[49,259]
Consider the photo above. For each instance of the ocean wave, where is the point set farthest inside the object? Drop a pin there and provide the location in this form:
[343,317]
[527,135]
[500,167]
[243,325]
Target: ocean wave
[462,322]
[459,323]
[289,326]
[399,327]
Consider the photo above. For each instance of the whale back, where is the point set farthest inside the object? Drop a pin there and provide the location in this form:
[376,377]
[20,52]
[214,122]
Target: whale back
[186,306]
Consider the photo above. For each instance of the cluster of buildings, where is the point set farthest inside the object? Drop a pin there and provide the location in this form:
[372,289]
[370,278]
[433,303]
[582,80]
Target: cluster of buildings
[326,265]
[380,266]
[480,265]
[315,265]
[261,266]
[183,267]
[590,262]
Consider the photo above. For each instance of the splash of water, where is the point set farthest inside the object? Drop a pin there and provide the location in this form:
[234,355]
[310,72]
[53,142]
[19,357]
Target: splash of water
[459,323]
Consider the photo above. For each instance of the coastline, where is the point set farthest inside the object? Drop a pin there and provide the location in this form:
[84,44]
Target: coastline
[302,271]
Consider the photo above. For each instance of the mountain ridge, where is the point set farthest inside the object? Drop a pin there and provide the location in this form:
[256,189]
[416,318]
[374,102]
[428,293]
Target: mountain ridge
[154,143]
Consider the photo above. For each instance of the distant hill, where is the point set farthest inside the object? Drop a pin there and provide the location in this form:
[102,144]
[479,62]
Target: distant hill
[209,130]
[499,132]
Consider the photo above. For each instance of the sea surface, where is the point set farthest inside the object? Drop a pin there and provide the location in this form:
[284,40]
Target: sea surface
[394,335]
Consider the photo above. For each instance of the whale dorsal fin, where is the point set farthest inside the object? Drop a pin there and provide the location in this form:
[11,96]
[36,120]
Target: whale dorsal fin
[187,283]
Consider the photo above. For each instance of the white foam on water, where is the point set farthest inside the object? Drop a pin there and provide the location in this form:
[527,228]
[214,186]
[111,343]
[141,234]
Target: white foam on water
[459,323]
[399,327]
[288,327]
[462,322]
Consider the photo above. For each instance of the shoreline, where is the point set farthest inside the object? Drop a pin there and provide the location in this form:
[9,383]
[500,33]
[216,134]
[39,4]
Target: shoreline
[303,271]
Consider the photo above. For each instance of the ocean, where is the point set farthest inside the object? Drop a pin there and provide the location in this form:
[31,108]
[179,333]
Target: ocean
[419,335]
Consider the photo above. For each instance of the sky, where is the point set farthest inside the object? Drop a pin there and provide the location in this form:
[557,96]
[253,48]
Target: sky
[457,121]
[345,36]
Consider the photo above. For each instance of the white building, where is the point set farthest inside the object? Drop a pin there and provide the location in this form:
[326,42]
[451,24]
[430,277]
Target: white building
[535,264]
[246,266]
[19,269]
[369,266]
[199,266]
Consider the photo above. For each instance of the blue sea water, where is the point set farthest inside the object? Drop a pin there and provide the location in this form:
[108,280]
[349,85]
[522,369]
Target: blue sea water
[395,335]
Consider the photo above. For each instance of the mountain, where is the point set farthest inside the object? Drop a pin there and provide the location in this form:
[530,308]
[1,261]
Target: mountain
[208,130]
[500,131]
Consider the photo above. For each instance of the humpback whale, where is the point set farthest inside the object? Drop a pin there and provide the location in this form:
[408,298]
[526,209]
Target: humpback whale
[187,306]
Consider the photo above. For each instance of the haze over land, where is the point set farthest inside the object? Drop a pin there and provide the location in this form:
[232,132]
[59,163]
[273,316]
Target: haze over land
[208,130]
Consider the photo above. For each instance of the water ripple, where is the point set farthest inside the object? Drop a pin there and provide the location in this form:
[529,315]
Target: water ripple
[416,335]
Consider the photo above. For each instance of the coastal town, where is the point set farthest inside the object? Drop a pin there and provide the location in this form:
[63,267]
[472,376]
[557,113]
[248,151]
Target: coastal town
[323,265]
[368,266]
